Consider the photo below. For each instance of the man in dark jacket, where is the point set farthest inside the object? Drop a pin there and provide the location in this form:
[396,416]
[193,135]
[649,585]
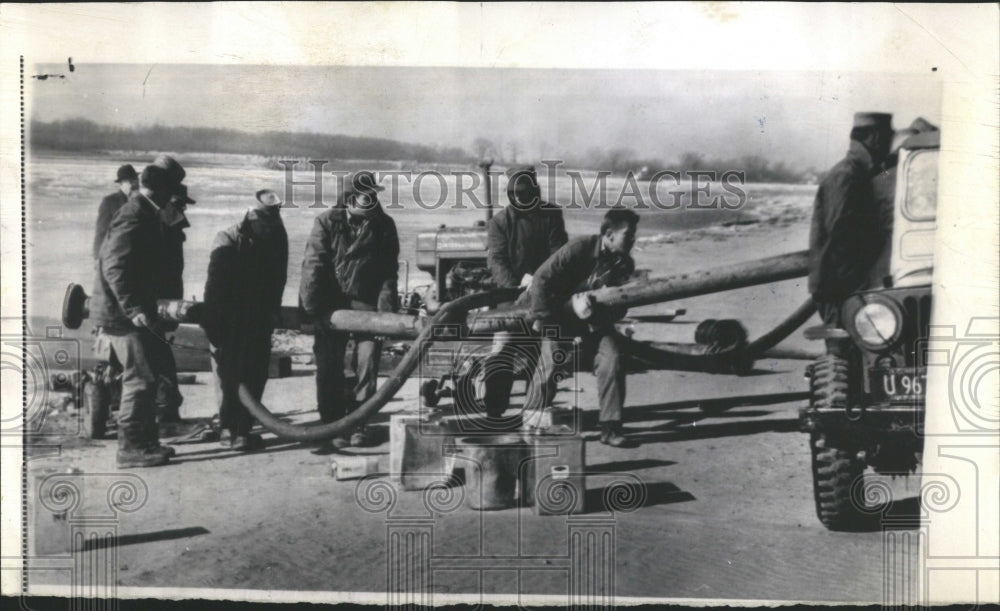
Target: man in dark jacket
[519,239]
[123,307]
[173,222]
[246,278]
[350,262]
[127,181]
[587,263]
[844,240]
[525,233]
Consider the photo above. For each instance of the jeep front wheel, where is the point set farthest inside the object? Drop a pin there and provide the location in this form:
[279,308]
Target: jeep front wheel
[835,465]
[835,469]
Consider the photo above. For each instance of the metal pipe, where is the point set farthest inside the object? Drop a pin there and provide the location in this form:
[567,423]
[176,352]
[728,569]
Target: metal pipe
[401,326]
[703,282]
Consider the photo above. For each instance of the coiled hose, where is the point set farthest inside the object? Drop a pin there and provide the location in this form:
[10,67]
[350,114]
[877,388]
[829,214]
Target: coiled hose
[452,312]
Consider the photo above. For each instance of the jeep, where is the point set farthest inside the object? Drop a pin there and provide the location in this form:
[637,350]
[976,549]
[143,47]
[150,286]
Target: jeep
[866,393]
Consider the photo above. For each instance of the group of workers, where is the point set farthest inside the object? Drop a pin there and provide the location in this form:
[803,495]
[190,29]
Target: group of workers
[350,262]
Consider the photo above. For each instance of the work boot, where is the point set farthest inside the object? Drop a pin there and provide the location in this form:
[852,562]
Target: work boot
[158,448]
[248,442]
[151,433]
[611,435]
[134,452]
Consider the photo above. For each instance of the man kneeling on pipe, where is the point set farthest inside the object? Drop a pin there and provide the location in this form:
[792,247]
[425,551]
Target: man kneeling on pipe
[587,263]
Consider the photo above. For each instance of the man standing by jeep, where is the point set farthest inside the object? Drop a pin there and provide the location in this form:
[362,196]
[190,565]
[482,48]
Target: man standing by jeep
[519,239]
[844,239]
[350,262]
[123,307]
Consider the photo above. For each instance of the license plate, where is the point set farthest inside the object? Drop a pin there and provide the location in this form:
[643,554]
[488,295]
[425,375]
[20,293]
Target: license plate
[899,385]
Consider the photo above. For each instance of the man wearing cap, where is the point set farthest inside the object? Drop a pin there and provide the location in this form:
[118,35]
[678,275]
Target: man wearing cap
[123,306]
[844,239]
[246,278]
[173,221]
[127,181]
[519,239]
[175,171]
[350,262]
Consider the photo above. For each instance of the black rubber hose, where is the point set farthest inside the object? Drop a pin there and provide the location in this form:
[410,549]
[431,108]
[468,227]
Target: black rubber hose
[453,312]
[773,337]
[733,360]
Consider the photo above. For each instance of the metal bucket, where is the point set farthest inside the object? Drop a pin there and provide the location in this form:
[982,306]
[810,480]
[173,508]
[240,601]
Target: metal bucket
[492,467]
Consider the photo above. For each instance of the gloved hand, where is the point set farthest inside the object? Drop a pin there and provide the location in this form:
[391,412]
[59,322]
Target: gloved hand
[526,281]
[583,305]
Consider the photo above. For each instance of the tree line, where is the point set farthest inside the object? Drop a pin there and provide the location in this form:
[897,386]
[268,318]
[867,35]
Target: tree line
[85,135]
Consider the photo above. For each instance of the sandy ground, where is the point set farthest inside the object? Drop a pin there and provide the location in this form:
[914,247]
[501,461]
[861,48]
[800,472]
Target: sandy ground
[727,510]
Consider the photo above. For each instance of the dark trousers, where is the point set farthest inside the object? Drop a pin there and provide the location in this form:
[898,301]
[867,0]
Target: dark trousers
[508,353]
[168,396]
[603,350]
[329,349]
[244,360]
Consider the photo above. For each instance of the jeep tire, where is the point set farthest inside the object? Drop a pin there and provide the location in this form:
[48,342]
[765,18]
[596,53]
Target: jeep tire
[835,466]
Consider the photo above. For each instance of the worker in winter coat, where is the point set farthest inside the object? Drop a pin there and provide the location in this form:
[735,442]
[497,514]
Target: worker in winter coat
[247,270]
[350,262]
[123,306]
[519,239]
[583,264]
[173,222]
[845,239]
[127,181]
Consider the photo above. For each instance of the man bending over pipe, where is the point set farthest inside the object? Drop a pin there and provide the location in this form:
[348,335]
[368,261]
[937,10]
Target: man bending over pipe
[583,264]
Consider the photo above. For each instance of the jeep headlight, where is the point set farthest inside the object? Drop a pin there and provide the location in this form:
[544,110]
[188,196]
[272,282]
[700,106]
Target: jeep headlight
[876,324]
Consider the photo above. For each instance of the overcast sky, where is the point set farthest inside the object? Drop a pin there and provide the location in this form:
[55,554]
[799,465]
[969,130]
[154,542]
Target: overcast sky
[800,118]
